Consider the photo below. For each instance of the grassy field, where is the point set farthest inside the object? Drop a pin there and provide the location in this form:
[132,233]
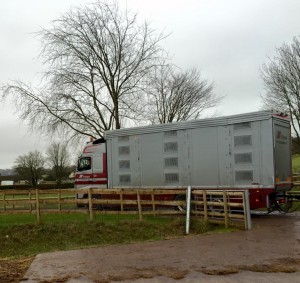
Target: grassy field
[20,237]
[296,163]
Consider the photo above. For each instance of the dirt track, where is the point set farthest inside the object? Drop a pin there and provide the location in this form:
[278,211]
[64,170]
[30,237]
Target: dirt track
[268,253]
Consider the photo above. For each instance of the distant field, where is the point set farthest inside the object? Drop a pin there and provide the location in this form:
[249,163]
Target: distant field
[296,163]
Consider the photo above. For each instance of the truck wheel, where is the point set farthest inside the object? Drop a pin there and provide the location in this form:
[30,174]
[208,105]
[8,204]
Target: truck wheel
[285,207]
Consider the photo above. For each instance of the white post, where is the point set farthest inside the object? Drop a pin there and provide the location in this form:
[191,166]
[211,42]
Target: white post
[247,212]
[188,209]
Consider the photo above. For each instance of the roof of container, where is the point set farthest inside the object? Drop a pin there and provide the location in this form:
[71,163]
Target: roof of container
[192,124]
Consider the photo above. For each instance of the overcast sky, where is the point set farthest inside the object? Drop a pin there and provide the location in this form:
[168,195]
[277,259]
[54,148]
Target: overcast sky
[228,40]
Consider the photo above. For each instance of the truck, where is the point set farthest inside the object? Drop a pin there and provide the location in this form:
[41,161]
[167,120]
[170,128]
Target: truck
[249,151]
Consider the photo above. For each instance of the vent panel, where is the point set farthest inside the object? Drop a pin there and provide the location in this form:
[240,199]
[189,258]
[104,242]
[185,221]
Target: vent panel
[171,162]
[242,140]
[123,139]
[170,134]
[125,179]
[243,158]
[244,176]
[124,164]
[171,147]
[242,126]
[171,178]
[124,150]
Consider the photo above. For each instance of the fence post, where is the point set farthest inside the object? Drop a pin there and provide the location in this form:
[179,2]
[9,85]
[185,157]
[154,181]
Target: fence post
[4,198]
[90,204]
[13,197]
[59,199]
[153,201]
[38,211]
[188,210]
[30,200]
[246,203]
[205,205]
[139,205]
[121,199]
[225,208]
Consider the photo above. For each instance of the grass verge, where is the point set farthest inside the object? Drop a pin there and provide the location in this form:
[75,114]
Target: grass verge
[20,237]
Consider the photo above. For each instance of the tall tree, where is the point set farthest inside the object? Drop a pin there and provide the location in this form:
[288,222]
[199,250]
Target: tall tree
[30,167]
[281,78]
[97,58]
[178,96]
[58,159]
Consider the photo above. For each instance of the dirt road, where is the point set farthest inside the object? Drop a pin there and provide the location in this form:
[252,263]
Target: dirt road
[268,253]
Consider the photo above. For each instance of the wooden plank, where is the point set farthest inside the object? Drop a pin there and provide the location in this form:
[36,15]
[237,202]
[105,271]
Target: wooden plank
[67,211]
[139,205]
[121,199]
[225,208]
[90,204]
[38,212]
[19,202]
[153,200]
[205,205]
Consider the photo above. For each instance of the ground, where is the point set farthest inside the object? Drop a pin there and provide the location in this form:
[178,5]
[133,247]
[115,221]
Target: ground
[269,252]
[12,270]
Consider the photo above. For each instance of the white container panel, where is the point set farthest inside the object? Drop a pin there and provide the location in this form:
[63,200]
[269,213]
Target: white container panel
[204,160]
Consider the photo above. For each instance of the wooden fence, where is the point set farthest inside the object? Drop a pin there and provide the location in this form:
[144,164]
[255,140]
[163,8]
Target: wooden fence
[229,207]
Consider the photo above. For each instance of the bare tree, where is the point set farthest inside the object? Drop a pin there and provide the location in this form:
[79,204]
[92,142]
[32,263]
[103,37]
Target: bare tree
[58,159]
[281,78]
[97,58]
[30,167]
[179,96]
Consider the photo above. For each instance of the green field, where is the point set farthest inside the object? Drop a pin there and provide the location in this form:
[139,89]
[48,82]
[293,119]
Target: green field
[20,236]
[296,163]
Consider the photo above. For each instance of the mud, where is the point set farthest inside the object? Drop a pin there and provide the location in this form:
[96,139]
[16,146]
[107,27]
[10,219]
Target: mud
[13,269]
[269,252]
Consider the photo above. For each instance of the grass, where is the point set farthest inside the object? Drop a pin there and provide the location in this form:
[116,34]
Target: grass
[296,163]
[20,237]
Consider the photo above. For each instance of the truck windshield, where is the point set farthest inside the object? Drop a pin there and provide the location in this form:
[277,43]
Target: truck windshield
[84,163]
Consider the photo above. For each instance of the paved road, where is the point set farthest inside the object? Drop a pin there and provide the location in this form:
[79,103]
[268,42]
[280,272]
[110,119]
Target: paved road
[272,245]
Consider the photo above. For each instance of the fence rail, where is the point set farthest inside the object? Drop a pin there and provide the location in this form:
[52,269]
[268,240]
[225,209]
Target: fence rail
[229,207]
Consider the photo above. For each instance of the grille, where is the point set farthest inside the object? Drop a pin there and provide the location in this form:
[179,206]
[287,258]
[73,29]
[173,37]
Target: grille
[243,158]
[242,126]
[124,150]
[171,178]
[123,139]
[244,176]
[243,140]
[170,134]
[124,164]
[170,147]
[125,179]
[171,162]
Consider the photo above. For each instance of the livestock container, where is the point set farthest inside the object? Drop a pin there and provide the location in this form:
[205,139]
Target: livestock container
[247,151]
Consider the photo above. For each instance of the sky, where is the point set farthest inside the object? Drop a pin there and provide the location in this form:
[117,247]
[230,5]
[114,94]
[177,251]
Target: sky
[227,40]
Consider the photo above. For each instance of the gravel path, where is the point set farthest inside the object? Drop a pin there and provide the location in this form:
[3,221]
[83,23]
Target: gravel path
[270,252]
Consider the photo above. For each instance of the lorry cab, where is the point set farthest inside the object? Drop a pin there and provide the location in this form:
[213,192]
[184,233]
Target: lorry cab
[91,166]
